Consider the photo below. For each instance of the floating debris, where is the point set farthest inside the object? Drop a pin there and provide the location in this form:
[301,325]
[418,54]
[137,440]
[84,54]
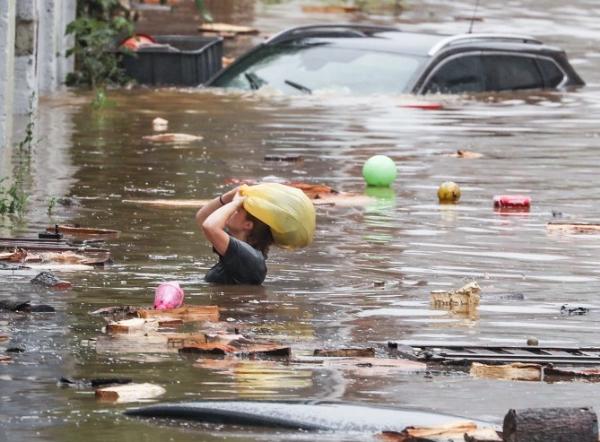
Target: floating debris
[129,392]
[25,307]
[556,226]
[516,371]
[47,279]
[346,352]
[173,138]
[92,383]
[284,158]
[466,154]
[159,124]
[463,299]
[566,309]
[74,230]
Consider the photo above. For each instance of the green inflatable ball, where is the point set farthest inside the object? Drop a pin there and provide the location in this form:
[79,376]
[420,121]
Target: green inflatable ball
[379,171]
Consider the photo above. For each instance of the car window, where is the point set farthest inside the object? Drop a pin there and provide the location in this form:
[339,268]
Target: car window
[552,74]
[460,74]
[322,66]
[511,72]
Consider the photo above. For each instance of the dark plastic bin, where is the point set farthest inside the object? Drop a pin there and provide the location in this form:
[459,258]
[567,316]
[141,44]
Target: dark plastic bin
[182,60]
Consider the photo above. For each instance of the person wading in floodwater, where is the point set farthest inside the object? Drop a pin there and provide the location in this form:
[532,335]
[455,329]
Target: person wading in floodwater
[241,240]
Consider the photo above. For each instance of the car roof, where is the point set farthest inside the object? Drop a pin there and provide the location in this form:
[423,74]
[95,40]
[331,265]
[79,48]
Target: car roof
[389,39]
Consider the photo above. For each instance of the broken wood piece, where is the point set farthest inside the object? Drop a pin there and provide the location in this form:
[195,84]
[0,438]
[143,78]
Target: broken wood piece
[5,359]
[194,339]
[4,338]
[466,154]
[84,232]
[129,392]
[329,9]
[169,203]
[552,373]
[126,325]
[172,138]
[170,323]
[464,298]
[516,371]
[556,226]
[226,29]
[550,425]
[17,255]
[189,313]
[346,352]
[459,431]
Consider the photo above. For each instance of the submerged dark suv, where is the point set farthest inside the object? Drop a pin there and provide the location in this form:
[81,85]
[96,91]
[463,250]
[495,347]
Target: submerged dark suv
[375,59]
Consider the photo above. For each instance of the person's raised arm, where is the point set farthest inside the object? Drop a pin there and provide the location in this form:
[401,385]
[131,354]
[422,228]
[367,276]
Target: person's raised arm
[213,226]
[213,205]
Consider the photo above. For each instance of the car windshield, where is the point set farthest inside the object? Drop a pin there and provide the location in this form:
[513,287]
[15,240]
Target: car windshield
[297,69]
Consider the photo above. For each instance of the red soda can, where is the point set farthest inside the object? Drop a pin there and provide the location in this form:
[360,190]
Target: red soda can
[512,202]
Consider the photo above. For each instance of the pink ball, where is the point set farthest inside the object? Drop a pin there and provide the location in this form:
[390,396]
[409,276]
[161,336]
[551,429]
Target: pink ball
[168,295]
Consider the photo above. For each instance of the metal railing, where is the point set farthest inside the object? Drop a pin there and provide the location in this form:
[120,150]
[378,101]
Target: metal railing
[481,37]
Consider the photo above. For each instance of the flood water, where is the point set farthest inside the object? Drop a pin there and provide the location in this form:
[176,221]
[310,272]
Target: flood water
[366,278]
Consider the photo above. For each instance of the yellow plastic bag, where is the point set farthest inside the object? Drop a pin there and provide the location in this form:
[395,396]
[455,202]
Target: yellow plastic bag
[286,210]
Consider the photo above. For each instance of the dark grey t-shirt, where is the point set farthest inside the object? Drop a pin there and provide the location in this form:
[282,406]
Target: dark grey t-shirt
[241,264]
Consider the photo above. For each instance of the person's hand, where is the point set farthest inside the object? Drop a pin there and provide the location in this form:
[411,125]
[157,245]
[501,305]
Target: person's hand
[227,197]
[238,198]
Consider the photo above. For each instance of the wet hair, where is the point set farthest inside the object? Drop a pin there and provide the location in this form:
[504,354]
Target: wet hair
[260,237]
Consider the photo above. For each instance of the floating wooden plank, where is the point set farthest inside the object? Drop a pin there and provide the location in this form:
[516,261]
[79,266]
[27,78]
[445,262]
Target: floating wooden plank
[551,425]
[189,313]
[516,371]
[31,244]
[329,9]
[4,338]
[346,352]
[193,339]
[83,232]
[170,203]
[226,30]
[5,359]
[129,392]
[344,200]
[556,226]
[172,138]
[250,350]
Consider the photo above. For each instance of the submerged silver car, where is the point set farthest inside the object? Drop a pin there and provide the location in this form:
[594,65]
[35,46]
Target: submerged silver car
[375,59]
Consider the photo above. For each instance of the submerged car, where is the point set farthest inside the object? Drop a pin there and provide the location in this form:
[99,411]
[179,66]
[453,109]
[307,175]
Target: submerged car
[377,59]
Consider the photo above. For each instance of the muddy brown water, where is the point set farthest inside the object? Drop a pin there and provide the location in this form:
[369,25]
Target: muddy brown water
[540,144]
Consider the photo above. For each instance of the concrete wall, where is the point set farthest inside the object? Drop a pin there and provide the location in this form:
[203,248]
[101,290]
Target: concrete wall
[33,58]
[26,51]
[7,51]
